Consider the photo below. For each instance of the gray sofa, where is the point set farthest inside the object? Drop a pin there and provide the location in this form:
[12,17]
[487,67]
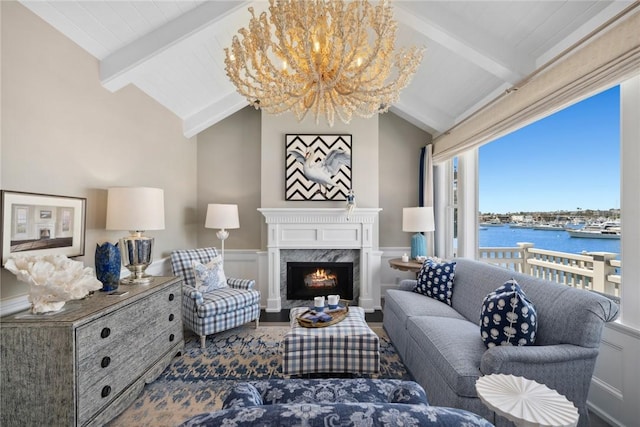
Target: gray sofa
[442,348]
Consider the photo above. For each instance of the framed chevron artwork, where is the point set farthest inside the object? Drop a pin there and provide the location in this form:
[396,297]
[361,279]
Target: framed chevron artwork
[317,167]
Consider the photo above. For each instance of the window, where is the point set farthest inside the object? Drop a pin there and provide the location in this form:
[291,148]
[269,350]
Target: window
[629,199]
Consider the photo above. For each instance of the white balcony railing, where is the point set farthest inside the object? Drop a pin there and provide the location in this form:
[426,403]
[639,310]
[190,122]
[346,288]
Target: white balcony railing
[596,271]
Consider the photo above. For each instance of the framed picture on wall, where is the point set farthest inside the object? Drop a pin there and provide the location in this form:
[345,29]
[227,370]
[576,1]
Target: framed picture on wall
[42,224]
[317,167]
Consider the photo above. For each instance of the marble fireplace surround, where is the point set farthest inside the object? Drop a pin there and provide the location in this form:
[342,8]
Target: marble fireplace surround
[323,229]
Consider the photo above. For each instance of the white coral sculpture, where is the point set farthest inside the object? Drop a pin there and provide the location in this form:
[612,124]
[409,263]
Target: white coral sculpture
[53,280]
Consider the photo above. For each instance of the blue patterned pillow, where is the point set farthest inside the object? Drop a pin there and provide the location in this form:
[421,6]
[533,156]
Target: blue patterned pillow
[209,276]
[435,280]
[508,317]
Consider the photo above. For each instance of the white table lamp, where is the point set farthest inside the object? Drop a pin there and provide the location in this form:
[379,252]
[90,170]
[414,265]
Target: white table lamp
[135,209]
[418,220]
[222,217]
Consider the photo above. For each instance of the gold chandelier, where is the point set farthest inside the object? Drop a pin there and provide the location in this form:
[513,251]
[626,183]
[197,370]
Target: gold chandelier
[332,57]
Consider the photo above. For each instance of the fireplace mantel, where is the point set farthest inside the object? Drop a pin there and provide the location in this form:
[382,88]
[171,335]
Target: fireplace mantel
[328,228]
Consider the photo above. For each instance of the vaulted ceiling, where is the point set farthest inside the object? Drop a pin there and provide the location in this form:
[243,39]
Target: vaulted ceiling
[475,50]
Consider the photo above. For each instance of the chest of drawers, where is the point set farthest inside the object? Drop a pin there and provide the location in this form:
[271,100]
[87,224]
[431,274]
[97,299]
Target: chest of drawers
[86,364]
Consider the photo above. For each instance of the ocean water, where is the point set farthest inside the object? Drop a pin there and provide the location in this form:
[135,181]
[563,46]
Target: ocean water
[555,240]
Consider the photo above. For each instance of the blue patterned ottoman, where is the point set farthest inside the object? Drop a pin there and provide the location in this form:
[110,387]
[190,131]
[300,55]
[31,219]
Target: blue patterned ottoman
[349,346]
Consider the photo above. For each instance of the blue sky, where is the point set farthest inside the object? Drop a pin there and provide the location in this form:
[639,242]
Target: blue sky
[568,160]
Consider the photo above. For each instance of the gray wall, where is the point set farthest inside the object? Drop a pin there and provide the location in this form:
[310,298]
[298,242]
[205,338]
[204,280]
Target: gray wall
[64,134]
[400,144]
[229,172]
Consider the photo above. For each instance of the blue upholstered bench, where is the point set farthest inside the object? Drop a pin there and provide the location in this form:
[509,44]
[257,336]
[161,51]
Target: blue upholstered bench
[354,402]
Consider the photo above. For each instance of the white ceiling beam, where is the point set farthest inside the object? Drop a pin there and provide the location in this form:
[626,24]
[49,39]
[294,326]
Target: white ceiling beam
[213,113]
[117,70]
[488,53]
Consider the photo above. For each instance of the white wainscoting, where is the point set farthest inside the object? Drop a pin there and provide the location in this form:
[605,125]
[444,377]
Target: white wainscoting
[13,305]
[615,387]
[390,277]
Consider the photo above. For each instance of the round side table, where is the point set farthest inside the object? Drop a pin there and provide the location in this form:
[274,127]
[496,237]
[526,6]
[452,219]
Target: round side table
[412,265]
[525,402]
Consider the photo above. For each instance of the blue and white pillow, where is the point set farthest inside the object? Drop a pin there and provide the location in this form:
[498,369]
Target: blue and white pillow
[209,276]
[508,317]
[435,280]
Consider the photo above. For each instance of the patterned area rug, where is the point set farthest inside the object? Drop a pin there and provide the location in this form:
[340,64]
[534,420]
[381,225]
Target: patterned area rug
[198,381]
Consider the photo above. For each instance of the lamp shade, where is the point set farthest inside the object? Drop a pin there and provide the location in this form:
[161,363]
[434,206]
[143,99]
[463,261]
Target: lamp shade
[135,208]
[418,219]
[222,216]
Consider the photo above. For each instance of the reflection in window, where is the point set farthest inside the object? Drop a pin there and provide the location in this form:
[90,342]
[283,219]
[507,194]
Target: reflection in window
[21,220]
[66,220]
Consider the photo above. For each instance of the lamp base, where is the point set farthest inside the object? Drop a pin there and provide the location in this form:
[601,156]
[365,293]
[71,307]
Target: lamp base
[144,280]
[136,252]
[418,246]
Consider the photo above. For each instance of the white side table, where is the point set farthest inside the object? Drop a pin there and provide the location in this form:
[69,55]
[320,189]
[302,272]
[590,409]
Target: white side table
[525,402]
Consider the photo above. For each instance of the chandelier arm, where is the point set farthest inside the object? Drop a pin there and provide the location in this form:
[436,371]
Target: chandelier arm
[234,74]
[343,111]
[350,32]
[284,46]
[350,27]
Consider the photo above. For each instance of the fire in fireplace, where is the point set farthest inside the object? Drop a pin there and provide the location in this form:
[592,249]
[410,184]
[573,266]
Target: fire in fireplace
[306,280]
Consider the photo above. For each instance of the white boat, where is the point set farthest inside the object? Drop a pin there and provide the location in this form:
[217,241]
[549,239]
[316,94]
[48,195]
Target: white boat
[607,230]
[521,225]
[550,226]
[495,222]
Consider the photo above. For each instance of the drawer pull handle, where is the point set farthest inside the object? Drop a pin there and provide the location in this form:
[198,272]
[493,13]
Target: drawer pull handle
[171,317]
[105,332]
[171,337]
[171,297]
[105,361]
[106,391]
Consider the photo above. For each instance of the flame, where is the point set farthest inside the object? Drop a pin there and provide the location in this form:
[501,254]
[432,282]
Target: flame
[320,274]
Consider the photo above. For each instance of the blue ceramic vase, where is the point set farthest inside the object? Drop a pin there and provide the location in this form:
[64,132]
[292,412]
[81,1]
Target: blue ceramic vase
[108,265]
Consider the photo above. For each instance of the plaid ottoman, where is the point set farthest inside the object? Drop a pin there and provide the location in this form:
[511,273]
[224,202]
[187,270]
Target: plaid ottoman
[349,346]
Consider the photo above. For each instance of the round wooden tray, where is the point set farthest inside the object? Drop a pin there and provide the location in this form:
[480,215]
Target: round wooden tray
[337,315]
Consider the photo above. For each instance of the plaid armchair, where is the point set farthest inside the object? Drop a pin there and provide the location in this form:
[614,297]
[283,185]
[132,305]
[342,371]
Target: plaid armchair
[207,313]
